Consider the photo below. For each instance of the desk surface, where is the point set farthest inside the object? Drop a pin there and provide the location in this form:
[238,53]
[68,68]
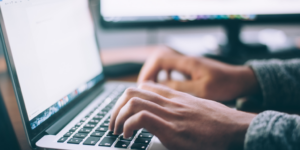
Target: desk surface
[108,57]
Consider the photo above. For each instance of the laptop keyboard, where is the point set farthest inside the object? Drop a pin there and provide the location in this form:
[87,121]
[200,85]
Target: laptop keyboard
[93,129]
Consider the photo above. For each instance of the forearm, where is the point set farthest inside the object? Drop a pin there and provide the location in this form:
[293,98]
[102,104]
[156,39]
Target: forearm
[273,130]
[279,82]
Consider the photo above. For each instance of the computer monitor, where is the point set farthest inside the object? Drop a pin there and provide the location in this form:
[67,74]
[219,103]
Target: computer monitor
[229,13]
[120,12]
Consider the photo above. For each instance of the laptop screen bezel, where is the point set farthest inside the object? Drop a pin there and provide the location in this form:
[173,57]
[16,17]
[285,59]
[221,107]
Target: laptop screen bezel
[38,131]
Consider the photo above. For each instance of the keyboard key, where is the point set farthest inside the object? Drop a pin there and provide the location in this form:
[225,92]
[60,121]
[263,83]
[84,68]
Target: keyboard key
[63,139]
[73,129]
[143,140]
[98,117]
[145,131]
[139,146]
[107,120]
[135,132]
[122,144]
[110,106]
[85,130]
[145,135]
[106,109]
[101,113]
[83,120]
[80,135]
[129,139]
[91,112]
[107,141]
[90,126]
[91,141]
[78,124]
[75,141]
[68,134]
[97,134]
[103,129]
[94,121]
[111,134]
[104,124]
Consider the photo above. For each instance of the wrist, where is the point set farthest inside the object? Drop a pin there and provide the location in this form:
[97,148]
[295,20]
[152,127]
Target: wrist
[240,128]
[247,81]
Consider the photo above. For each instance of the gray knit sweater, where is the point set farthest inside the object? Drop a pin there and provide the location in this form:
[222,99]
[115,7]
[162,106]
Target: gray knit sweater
[280,86]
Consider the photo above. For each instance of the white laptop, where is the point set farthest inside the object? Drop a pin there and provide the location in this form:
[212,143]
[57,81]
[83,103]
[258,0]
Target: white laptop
[53,59]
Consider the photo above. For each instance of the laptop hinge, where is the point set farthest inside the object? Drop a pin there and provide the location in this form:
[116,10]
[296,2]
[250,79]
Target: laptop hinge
[63,121]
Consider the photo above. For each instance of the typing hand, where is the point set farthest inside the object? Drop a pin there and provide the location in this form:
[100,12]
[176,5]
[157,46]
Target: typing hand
[207,78]
[179,120]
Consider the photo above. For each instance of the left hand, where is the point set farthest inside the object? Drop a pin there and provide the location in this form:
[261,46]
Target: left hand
[179,120]
[207,78]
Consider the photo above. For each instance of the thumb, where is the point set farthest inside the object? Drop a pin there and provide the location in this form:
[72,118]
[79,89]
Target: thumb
[183,86]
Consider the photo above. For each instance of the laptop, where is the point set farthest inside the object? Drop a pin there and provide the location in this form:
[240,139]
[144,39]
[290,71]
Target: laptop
[53,59]
[8,138]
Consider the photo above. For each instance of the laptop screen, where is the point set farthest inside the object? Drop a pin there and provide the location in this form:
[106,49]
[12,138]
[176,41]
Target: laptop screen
[55,53]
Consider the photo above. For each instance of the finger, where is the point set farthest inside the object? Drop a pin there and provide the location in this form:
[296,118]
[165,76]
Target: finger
[136,105]
[157,88]
[150,69]
[183,86]
[172,62]
[149,121]
[134,92]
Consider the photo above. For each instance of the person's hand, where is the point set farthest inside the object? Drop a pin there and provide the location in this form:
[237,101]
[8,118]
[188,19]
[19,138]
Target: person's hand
[207,78]
[179,120]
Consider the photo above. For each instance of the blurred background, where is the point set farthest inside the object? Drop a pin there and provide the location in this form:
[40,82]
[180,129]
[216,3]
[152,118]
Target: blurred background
[194,30]
[286,35]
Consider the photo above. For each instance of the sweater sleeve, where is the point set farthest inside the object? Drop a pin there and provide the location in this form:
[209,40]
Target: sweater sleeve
[279,82]
[272,130]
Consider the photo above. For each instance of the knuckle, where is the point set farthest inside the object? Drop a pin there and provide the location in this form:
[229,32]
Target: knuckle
[160,54]
[134,102]
[157,61]
[143,85]
[179,129]
[192,61]
[130,91]
[143,116]
[156,57]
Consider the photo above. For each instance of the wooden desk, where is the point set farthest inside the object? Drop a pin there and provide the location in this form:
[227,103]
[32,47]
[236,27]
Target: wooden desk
[137,54]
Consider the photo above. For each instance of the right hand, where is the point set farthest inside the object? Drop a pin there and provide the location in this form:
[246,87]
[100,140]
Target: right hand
[179,120]
[208,78]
